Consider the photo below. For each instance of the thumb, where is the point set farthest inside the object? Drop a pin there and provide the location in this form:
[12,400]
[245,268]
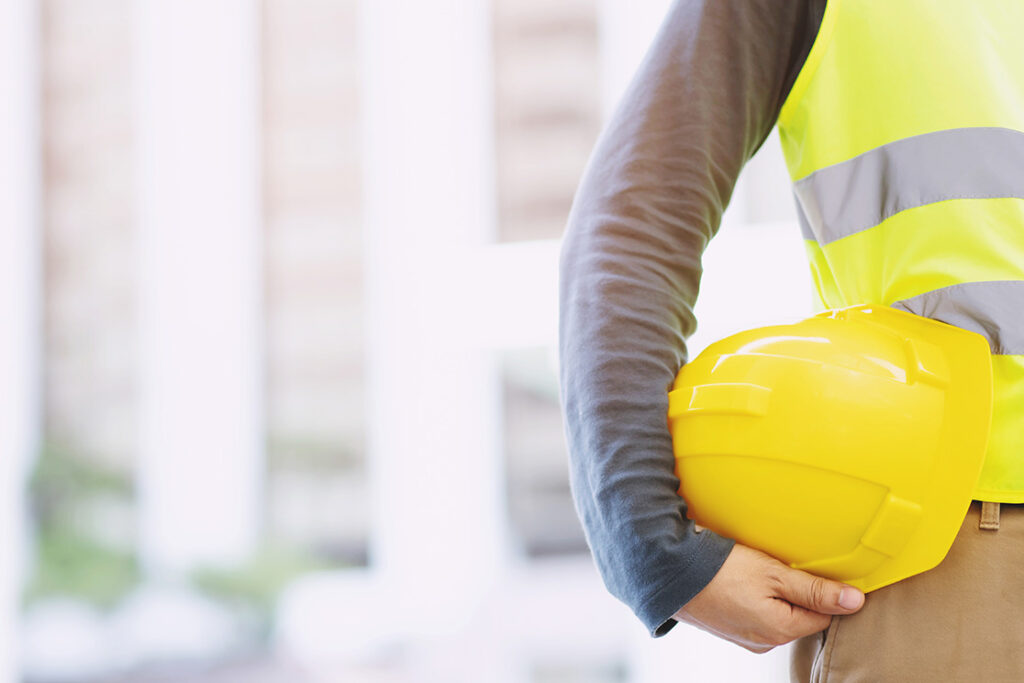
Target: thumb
[820,595]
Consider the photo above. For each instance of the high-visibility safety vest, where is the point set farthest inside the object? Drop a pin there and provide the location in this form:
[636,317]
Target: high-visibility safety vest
[904,137]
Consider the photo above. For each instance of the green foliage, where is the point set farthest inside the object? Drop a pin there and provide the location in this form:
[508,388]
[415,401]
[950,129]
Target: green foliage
[255,585]
[61,477]
[72,565]
[72,558]
[75,559]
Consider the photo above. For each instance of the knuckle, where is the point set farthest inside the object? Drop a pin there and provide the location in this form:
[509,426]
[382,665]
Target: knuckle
[775,580]
[819,592]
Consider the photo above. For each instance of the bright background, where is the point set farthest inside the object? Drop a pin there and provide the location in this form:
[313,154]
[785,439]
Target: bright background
[278,310]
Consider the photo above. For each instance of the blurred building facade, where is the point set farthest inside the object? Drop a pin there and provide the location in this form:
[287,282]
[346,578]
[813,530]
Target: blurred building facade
[546,119]
[315,388]
[548,88]
[547,116]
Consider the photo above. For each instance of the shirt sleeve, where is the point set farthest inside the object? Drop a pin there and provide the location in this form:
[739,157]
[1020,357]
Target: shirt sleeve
[704,99]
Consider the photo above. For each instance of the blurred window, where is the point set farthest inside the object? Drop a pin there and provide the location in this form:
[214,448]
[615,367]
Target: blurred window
[541,510]
[547,110]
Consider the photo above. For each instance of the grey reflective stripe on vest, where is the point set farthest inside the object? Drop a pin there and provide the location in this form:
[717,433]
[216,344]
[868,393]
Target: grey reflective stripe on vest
[805,226]
[994,309]
[961,163]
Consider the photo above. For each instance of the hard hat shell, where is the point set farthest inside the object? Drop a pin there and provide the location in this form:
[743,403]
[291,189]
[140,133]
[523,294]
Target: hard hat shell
[846,445]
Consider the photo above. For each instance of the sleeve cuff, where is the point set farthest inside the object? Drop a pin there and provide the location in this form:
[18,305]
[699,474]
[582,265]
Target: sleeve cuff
[656,612]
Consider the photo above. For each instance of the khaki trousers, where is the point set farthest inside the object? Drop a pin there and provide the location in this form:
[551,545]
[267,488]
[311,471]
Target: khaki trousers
[962,621]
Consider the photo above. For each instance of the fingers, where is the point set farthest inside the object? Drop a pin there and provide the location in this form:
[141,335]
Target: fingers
[800,622]
[758,603]
[819,595]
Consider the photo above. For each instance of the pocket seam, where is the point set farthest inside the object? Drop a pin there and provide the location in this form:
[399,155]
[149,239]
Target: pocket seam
[829,649]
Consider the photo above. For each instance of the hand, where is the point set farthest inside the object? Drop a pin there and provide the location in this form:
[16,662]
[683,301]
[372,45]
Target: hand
[758,602]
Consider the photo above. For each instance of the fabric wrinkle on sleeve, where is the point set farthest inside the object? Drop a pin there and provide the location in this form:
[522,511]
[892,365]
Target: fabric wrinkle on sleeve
[704,99]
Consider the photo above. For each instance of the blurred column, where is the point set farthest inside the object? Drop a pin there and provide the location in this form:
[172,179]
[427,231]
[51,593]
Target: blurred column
[197,112]
[20,300]
[438,524]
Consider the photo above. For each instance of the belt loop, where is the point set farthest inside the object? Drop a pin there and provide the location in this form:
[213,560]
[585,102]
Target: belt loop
[989,516]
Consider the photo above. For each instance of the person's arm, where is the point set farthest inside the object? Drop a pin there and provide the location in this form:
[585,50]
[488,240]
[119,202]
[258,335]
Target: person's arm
[705,98]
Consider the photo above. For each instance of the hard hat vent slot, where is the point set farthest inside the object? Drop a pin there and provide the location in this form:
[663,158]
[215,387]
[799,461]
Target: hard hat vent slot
[892,526]
[725,398]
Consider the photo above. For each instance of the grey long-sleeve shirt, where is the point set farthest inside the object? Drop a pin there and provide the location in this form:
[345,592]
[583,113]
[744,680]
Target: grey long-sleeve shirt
[703,101]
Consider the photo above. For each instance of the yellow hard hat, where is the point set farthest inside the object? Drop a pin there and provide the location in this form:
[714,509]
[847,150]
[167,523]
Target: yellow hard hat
[846,445]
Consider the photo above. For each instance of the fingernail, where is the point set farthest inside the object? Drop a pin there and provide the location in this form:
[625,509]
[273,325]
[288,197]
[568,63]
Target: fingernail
[850,598]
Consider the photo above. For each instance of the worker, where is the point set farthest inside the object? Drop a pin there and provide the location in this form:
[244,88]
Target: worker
[901,123]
